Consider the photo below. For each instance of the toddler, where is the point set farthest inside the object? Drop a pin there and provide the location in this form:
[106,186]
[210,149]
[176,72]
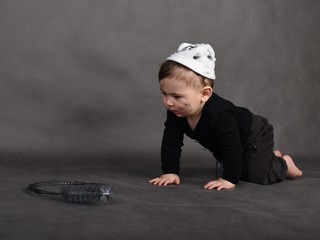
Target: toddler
[241,141]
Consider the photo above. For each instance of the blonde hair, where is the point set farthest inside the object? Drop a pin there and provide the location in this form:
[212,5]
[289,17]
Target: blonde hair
[173,69]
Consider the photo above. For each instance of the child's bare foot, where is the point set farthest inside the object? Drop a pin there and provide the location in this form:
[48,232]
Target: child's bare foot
[277,153]
[293,170]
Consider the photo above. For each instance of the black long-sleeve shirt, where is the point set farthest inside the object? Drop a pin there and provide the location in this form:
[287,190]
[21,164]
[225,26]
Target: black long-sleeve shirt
[222,129]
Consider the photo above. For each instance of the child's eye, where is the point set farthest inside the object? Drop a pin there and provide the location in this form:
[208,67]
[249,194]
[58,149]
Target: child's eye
[177,97]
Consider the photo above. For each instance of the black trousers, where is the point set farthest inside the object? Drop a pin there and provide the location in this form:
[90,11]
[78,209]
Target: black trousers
[260,165]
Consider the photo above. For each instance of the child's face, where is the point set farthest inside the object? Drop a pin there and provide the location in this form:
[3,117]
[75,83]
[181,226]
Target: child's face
[182,99]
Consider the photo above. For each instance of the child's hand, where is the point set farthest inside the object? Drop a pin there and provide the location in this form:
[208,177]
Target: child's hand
[166,179]
[219,184]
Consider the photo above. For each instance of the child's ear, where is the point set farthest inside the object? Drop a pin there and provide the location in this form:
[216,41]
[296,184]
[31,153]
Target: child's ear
[206,93]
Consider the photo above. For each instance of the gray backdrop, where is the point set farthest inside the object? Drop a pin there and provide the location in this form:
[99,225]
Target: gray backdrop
[81,76]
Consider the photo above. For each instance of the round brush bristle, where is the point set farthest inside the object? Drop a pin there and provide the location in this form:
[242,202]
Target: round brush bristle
[86,193]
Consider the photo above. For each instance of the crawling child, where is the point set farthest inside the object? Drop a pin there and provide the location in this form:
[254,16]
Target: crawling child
[241,142]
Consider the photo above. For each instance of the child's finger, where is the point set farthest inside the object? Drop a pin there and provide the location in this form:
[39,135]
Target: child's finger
[221,187]
[211,185]
[155,181]
[165,182]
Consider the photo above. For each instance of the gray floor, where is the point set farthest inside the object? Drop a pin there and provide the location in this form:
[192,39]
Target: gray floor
[138,210]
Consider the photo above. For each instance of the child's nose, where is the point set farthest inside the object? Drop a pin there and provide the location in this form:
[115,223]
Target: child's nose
[169,102]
